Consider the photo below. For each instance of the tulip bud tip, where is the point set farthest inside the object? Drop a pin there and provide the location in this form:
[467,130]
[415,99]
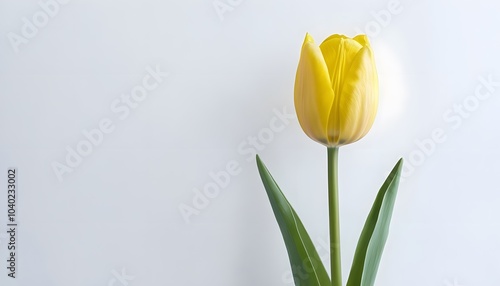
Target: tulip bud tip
[308,38]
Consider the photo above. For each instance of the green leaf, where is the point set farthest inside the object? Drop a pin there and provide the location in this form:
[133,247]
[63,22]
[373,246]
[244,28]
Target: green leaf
[374,235]
[307,268]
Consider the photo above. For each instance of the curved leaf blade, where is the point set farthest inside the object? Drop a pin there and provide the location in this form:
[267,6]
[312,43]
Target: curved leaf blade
[307,268]
[374,234]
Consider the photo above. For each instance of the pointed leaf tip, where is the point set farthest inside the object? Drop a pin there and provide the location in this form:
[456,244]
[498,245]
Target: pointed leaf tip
[400,161]
[260,164]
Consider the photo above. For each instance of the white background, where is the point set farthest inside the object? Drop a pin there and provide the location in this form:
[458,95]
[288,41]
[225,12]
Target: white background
[229,70]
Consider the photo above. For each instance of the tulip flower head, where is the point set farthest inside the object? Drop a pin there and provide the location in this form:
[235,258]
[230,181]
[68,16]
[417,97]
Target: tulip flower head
[336,89]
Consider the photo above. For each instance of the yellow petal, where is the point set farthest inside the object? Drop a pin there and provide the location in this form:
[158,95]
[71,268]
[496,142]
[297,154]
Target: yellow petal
[355,108]
[313,93]
[362,40]
[339,52]
[335,36]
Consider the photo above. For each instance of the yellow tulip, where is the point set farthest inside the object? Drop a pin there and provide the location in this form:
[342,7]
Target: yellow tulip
[336,89]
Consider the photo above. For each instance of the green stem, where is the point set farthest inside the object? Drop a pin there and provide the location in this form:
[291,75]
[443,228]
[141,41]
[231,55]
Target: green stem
[333,206]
